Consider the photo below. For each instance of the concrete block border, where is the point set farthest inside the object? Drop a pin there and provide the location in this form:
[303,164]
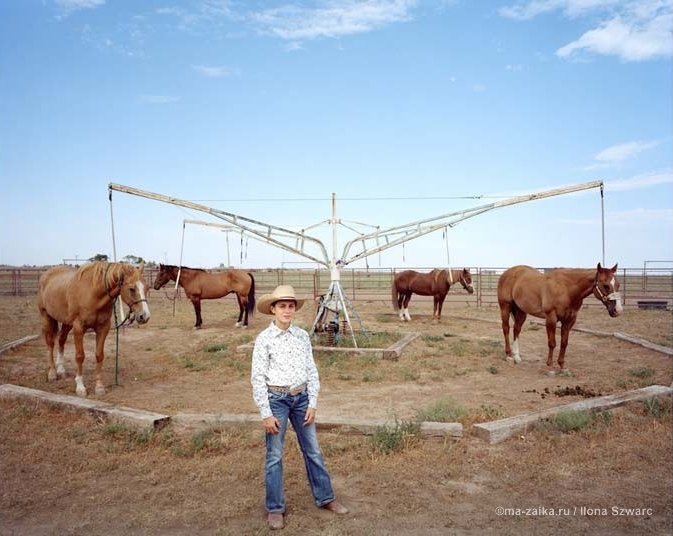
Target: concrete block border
[189,422]
[497,431]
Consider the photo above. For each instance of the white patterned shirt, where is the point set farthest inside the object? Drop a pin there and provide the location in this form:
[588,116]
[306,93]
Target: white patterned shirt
[283,358]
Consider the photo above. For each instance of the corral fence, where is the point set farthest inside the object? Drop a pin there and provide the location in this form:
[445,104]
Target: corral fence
[640,287]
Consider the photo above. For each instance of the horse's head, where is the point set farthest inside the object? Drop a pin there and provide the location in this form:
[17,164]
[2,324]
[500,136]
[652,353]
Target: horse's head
[164,276]
[606,289]
[466,280]
[132,291]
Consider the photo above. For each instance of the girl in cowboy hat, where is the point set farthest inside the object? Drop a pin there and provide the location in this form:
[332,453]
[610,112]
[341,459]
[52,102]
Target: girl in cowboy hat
[285,387]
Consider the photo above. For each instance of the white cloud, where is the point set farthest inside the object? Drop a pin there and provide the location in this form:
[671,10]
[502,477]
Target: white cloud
[633,30]
[66,7]
[630,40]
[335,19]
[215,71]
[624,151]
[571,8]
[639,182]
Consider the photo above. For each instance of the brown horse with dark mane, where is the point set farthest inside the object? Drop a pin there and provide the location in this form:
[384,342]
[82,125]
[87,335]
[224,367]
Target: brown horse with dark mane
[436,284]
[556,296]
[200,285]
[84,298]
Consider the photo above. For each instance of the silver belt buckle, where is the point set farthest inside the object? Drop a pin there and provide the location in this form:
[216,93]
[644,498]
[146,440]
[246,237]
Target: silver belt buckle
[296,390]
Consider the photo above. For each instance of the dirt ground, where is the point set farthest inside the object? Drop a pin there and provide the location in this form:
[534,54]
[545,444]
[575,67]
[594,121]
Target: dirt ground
[68,474]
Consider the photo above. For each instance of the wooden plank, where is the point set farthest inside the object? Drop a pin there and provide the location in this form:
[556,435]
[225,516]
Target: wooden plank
[191,422]
[14,344]
[395,351]
[496,431]
[103,410]
[392,352]
[624,337]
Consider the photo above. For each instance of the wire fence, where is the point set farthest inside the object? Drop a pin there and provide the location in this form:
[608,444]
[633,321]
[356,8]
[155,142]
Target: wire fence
[644,288]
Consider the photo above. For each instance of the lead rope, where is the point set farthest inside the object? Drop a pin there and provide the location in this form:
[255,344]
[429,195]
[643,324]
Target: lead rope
[448,258]
[117,324]
[603,223]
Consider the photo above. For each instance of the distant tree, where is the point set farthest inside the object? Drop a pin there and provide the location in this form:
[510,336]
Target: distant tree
[132,259]
[99,257]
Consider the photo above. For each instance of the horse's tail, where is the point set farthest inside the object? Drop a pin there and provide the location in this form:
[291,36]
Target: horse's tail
[513,309]
[250,307]
[394,296]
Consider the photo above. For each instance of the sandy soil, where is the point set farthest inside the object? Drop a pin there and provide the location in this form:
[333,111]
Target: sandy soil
[168,367]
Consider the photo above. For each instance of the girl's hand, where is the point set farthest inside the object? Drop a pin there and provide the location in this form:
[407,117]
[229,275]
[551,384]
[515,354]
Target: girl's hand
[271,425]
[309,418]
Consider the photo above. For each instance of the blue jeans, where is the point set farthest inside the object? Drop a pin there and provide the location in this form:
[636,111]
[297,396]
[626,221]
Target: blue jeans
[293,408]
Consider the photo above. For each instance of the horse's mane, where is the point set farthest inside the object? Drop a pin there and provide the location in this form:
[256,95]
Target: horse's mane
[174,267]
[110,272]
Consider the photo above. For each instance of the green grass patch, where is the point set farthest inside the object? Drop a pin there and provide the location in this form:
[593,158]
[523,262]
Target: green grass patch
[658,408]
[131,436]
[445,410]
[577,420]
[395,438]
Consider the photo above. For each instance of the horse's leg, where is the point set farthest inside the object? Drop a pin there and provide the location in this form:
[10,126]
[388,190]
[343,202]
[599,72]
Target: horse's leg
[405,307]
[400,300]
[60,359]
[565,334]
[49,329]
[242,311]
[519,319]
[78,335]
[550,325]
[505,312]
[440,304]
[101,335]
[435,308]
[196,301]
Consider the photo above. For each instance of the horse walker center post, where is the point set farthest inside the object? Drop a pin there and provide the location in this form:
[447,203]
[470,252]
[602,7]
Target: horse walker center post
[334,302]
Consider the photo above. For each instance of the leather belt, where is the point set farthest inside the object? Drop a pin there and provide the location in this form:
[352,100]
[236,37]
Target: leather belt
[298,389]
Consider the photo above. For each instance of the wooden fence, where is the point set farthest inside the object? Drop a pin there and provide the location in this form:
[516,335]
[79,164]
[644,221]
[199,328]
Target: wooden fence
[644,288]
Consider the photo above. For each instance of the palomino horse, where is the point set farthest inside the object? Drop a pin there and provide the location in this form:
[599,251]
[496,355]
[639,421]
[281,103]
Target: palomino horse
[435,284]
[555,296]
[202,285]
[84,298]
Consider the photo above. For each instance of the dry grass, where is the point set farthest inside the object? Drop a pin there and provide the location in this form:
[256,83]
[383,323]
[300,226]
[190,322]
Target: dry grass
[65,473]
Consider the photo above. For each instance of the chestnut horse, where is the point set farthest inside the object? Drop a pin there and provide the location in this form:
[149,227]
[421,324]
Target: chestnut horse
[84,298]
[435,284]
[202,285]
[555,296]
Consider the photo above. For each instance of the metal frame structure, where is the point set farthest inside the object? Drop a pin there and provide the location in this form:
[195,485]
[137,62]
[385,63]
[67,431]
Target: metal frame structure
[313,249]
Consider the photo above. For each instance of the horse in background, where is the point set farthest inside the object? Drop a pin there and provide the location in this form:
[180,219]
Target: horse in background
[556,296]
[436,284]
[200,285]
[82,299]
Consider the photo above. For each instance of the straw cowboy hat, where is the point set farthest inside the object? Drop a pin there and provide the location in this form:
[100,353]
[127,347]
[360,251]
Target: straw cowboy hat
[282,292]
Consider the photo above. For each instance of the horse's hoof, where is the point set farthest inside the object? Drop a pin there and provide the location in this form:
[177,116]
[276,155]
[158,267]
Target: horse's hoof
[100,390]
[81,391]
[238,324]
[517,359]
[565,373]
[52,376]
[551,373]
[509,359]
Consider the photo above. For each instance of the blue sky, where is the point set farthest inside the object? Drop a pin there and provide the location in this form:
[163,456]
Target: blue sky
[405,109]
